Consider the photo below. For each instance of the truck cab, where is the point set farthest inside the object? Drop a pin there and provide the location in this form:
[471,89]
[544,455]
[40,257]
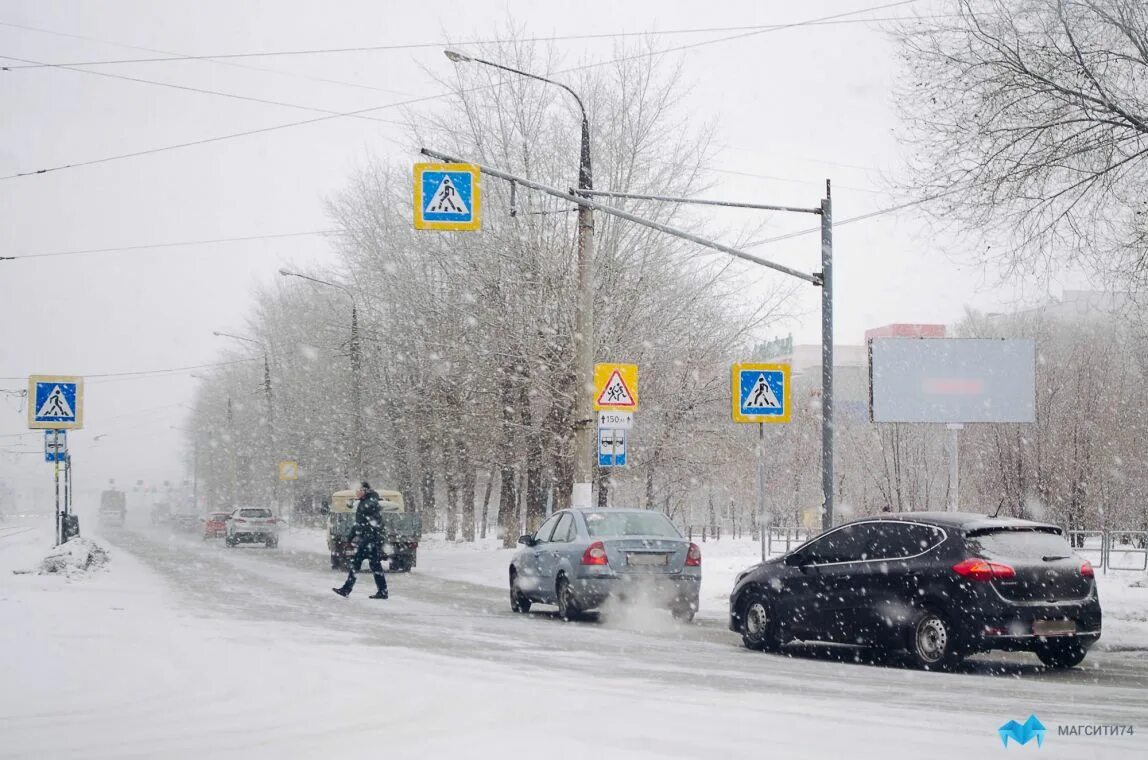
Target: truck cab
[402,530]
[113,508]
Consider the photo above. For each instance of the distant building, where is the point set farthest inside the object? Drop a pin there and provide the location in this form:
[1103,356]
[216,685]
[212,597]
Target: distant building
[901,330]
[1076,306]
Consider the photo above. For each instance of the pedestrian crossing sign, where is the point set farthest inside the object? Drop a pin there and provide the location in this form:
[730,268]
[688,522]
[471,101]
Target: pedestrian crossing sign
[760,392]
[447,197]
[55,402]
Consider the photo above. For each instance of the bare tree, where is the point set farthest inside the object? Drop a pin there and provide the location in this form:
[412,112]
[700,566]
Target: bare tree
[468,360]
[1027,121]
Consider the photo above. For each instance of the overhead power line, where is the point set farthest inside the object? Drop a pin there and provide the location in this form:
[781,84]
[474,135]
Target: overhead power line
[176,244]
[412,101]
[145,372]
[842,222]
[219,138]
[172,56]
[422,45]
[202,90]
[311,233]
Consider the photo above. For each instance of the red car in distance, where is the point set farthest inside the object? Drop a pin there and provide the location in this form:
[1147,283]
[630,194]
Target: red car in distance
[216,525]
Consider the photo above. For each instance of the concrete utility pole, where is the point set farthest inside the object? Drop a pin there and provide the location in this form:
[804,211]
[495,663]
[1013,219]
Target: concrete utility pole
[584,425]
[355,348]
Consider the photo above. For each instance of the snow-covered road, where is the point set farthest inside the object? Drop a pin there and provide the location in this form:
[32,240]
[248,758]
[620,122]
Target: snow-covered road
[188,649]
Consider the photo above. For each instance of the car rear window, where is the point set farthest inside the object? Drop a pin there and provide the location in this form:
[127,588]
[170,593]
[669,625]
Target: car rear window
[255,513]
[1018,544]
[604,524]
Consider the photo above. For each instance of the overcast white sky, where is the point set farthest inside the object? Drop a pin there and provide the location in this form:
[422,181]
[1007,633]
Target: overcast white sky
[792,107]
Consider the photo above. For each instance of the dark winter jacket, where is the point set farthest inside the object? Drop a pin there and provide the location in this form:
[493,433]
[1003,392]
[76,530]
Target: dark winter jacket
[369,518]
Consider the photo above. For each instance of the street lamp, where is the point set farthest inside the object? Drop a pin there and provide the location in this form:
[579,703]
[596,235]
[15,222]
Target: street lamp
[194,464]
[229,439]
[266,375]
[356,366]
[270,406]
[584,315]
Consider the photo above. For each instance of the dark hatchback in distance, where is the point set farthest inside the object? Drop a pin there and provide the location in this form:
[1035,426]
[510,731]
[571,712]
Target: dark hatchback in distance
[939,585]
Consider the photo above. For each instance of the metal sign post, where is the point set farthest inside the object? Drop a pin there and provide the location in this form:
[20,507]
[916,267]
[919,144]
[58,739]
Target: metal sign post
[954,466]
[56,471]
[763,521]
[761,393]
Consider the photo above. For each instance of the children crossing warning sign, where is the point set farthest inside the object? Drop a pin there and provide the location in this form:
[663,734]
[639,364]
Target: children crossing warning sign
[760,392]
[55,402]
[616,387]
[447,197]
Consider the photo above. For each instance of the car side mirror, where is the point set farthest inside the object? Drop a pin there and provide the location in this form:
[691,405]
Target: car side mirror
[527,540]
[795,560]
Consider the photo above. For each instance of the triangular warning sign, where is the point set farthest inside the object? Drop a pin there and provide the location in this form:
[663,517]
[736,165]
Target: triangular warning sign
[446,200]
[761,396]
[616,392]
[55,406]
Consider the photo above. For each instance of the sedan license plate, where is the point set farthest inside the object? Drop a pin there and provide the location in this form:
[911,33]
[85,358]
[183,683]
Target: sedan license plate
[647,559]
[1053,627]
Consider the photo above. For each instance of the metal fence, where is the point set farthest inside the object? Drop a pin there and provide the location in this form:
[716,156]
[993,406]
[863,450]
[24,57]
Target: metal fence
[1112,549]
[781,540]
[777,540]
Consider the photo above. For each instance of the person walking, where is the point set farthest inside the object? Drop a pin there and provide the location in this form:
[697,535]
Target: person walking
[369,530]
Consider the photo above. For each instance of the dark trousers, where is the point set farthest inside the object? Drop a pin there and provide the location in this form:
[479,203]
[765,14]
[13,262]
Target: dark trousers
[368,550]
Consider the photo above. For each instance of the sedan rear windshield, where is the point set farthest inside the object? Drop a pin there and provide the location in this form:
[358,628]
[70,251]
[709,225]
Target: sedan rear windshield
[1034,544]
[255,513]
[605,524]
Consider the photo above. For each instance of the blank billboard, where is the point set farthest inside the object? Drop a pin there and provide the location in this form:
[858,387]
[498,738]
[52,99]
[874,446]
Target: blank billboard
[952,380]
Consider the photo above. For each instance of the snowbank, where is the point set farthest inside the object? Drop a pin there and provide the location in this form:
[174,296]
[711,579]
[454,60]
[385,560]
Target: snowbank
[77,556]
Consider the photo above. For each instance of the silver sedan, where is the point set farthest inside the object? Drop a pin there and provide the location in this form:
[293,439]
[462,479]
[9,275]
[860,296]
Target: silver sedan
[580,558]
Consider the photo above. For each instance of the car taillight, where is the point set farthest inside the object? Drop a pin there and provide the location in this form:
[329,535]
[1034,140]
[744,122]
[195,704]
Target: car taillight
[1086,570]
[694,556]
[595,554]
[983,570]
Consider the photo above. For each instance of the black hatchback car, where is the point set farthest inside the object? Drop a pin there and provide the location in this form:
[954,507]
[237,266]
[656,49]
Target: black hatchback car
[941,585]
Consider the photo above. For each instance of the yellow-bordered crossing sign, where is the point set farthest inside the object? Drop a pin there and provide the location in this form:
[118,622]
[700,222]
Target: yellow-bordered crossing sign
[760,392]
[448,197]
[55,402]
